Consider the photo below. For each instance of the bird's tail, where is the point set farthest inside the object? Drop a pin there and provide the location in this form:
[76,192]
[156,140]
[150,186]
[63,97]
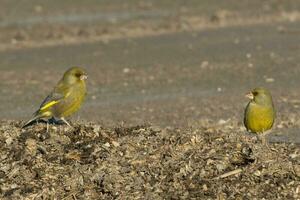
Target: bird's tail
[29,122]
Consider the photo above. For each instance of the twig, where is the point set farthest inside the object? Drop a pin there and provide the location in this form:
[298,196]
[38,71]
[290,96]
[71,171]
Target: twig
[231,173]
[74,197]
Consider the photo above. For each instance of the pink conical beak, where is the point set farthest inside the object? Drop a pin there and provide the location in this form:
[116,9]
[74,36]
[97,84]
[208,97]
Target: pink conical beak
[83,77]
[250,95]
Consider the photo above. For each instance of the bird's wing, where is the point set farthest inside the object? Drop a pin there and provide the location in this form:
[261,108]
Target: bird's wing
[51,100]
[245,115]
[54,97]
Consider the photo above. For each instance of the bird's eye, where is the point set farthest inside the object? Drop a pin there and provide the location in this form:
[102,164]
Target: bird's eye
[255,93]
[78,75]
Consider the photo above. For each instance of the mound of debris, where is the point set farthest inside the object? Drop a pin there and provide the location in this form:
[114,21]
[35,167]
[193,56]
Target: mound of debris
[89,161]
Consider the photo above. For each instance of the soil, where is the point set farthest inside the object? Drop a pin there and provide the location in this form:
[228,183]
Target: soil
[90,161]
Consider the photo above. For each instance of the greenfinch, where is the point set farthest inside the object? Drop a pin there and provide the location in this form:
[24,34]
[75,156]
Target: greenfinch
[260,113]
[66,97]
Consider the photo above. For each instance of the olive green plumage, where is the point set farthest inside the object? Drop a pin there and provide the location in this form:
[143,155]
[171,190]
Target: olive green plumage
[66,97]
[260,113]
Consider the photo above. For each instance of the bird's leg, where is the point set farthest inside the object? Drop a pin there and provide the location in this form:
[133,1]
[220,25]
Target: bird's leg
[64,120]
[47,129]
[264,140]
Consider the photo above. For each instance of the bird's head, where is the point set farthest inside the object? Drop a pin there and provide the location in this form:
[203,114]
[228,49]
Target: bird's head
[260,96]
[75,74]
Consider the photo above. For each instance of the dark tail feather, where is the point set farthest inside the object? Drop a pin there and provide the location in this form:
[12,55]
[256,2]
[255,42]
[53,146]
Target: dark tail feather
[28,123]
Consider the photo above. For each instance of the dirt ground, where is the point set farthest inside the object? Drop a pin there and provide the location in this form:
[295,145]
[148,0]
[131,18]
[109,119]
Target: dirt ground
[89,161]
[163,114]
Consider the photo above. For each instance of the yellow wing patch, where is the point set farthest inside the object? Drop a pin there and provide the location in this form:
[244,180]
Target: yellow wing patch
[68,94]
[51,103]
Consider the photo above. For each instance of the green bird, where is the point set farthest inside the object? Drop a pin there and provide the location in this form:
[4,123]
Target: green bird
[65,99]
[260,113]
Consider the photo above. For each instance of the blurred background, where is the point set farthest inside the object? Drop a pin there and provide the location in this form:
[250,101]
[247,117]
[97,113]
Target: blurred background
[166,62]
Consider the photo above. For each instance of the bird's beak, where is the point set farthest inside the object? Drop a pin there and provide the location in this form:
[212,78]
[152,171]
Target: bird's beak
[250,95]
[83,77]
